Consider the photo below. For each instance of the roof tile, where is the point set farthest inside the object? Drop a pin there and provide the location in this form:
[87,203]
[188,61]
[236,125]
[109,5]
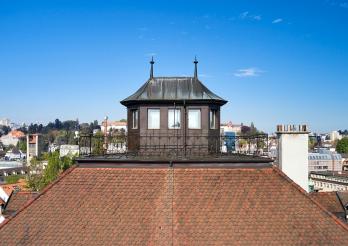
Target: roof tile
[180,206]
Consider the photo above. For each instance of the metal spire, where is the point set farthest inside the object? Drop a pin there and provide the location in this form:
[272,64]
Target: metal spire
[196,62]
[151,71]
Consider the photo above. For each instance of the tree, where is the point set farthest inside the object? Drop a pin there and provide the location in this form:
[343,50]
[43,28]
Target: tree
[39,178]
[4,130]
[51,172]
[123,120]
[34,178]
[58,124]
[312,142]
[22,145]
[342,146]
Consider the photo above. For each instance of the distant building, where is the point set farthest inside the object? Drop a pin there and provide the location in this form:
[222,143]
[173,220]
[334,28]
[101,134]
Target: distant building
[324,160]
[344,162]
[53,147]
[335,135]
[329,180]
[35,146]
[230,127]
[12,138]
[68,150]
[5,122]
[114,125]
[14,154]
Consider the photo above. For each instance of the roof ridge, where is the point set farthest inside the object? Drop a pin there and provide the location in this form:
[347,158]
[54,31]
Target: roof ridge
[303,192]
[47,188]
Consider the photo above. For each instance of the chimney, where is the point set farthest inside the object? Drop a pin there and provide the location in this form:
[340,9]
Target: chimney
[293,153]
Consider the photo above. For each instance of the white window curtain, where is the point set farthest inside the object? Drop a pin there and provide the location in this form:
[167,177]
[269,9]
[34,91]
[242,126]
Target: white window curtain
[153,118]
[174,119]
[135,118]
[212,118]
[194,119]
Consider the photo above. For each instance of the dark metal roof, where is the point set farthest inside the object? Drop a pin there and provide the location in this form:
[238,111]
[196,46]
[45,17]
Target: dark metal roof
[173,89]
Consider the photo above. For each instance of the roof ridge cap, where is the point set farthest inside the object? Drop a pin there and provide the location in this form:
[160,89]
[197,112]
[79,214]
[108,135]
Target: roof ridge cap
[303,192]
[47,188]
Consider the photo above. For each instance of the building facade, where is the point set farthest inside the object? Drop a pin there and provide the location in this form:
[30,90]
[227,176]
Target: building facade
[324,160]
[12,138]
[114,125]
[329,180]
[176,115]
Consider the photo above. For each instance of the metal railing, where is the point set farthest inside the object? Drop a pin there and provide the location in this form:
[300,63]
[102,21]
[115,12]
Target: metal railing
[166,145]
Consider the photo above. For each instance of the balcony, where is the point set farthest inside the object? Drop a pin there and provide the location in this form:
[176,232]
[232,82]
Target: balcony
[163,147]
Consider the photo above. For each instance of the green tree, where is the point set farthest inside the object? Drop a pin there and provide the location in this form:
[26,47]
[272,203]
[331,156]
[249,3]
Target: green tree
[53,168]
[342,146]
[312,142]
[22,145]
[34,177]
[39,178]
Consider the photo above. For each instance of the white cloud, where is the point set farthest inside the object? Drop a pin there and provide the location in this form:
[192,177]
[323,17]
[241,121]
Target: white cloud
[247,16]
[277,20]
[244,15]
[248,72]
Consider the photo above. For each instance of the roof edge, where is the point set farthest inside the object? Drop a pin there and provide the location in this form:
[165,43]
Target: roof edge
[303,192]
[47,188]
[177,101]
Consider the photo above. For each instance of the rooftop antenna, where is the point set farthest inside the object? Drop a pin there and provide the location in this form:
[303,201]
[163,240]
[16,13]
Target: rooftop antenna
[195,62]
[151,71]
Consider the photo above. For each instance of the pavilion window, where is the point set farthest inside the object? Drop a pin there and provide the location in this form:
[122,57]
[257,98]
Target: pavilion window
[174,118]
[212,118]
[135,118]
[194,119]
[153,118]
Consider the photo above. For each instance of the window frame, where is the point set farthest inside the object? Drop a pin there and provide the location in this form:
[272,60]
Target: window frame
[174,109]
[135,112]
[212,116]
[159,118]
[200,118]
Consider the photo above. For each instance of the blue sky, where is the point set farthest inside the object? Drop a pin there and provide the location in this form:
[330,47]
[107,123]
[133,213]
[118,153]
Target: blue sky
[274,61]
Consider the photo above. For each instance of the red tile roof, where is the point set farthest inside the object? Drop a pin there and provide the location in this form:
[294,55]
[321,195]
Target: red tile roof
[174,206]
[16,134]
[17,200]
[329,200]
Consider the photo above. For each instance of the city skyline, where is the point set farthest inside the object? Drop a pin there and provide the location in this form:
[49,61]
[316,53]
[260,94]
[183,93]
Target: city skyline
[274,62]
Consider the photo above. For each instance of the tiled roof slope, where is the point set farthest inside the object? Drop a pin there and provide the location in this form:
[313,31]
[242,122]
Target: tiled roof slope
[328,200]
[173,206]
[17,200]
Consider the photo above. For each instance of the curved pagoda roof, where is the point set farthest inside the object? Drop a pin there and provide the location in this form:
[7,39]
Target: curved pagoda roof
[173,89]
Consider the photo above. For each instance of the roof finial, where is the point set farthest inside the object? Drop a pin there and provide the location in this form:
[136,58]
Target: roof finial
[195,62]
[151,71]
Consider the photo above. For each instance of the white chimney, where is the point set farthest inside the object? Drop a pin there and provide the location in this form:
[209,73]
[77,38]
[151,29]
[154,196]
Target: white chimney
[293,153]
